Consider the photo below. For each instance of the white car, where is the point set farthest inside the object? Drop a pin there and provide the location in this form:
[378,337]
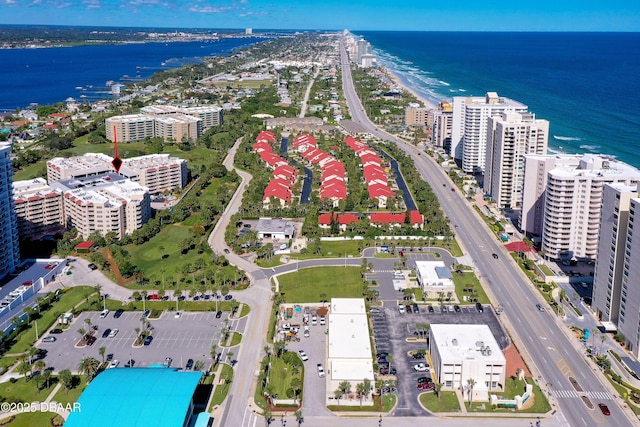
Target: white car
[421,367]
[323,321]
[303,355]
[401,308]
[177,315]
[104,314]
[113,333]
[114,363]
[314,320]
[320,370]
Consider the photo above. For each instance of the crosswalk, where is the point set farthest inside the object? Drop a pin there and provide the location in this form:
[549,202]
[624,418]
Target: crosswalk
[572,394]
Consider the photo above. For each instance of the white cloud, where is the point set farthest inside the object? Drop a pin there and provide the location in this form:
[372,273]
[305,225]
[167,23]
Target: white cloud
[210,9]
[92,4]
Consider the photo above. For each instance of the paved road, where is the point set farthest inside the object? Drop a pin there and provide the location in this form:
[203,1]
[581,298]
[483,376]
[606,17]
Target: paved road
[550,350]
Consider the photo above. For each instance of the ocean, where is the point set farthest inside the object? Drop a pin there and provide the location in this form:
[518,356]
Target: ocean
[586,84]
[50,75]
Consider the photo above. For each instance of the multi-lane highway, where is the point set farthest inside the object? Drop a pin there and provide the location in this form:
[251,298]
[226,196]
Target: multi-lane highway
[540,336]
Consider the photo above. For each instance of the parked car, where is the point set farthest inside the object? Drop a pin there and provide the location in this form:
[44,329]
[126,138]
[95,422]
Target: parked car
[303,355]
[479,307]
[218,314]
[421,367]
[145,313]
[416,309]
[147,340]
[401,308]
[114,332]
[104,314]
[48,339]
[114,363]
[228,297]
[456,308]
[418,356]
[189,364]
[226,251]
[167,362]
[91,340]
[320,370]
[323,321]
[430,308]
[118,313]
[130,363]
[177,315]
[424,380]
[106,333]
[92,266]
[56,331]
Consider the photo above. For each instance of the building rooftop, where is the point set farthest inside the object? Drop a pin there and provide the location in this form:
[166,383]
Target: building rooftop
[275,225]
[351,370]
[434,273]
[349,331]
[466,342]
[136,397]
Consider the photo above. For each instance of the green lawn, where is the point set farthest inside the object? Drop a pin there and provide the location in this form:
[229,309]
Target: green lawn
[245,310]
[30,419]
[235,339]
[309,284]
[469,279]
[64,397]
[24,391]
[388,402]
[222,390]
[67,301]
[513,388]
[281,375]
[448,402]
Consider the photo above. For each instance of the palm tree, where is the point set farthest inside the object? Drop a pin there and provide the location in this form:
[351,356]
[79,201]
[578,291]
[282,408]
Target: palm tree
[32,352]
[519,372]
[295,385]
[337,393]
[82,332]
[299,417]
[438,389]
[199,365]
[470,383]
[361,392]
[88,367]
[46,376]
[24,368]
[267,417]
[101,351]
[88,322]
[66,379]
[367,387]
[39,365]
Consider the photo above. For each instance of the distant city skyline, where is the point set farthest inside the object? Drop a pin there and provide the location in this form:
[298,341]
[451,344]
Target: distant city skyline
[463,15]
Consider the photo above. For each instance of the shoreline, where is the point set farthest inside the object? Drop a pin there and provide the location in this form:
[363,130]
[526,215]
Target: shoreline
[397,79]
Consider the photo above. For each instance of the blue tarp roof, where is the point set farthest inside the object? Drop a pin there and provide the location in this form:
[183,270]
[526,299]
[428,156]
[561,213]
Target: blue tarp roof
[443,273]
[136,397]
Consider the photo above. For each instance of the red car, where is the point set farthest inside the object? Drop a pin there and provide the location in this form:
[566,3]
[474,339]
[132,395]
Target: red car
[604,408]
[426,386]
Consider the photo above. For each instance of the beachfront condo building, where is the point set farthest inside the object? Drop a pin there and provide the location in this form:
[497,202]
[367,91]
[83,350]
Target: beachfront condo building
[171,123]
[562,199]
[510,136]
[442,123]
[9,247]
[415,115]
[130,128]
[363,48]
[107,203]
[38,208]
[157,172]
[612,253]
[469,127]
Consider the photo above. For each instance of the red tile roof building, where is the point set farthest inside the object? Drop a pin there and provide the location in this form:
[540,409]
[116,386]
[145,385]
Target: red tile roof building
[416,219]
[324,220]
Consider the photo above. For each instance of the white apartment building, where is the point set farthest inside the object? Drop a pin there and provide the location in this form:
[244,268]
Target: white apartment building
[38,208]
[157,172]
[169,122]
[133,127]
[463,352]
[469,127]
[442,125]
[629,315]
[509,137]
[9,248]
[562,197]
[104,204]
[612,253]
[177,128]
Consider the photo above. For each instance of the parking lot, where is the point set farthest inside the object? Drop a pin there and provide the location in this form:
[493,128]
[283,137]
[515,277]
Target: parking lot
[188,337]
[315,388]
[391,330]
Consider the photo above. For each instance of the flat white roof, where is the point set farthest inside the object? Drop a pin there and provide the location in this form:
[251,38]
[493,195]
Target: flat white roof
[348,306]
[465,342]
[349,331]
[431,273]
[351,370]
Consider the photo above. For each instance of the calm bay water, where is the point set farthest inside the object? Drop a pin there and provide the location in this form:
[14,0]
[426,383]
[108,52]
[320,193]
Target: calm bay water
[585,84]
[47,76]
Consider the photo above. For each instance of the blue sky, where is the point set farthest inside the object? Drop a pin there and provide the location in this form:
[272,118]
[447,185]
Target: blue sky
[459,15]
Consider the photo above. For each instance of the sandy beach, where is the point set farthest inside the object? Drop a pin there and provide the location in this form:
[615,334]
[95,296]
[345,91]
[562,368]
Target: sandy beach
[398,81]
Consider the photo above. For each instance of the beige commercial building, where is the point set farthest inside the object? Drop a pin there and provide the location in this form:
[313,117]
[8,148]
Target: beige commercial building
[414,115]
[509,137]
[562,200]
[38,208]
[157,172]
[104,204]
